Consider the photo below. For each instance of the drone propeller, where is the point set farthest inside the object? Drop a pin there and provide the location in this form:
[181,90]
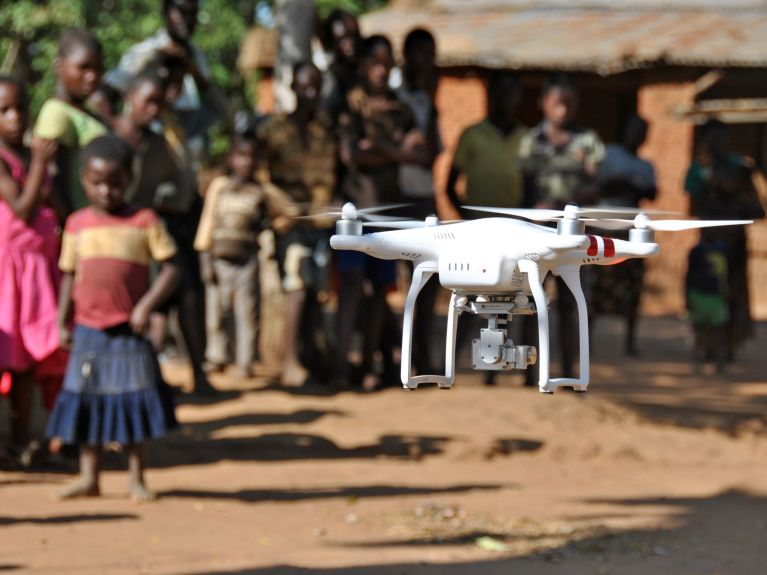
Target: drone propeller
[571,211]
[397,224]
[643,222]
[430,221]
[350,212]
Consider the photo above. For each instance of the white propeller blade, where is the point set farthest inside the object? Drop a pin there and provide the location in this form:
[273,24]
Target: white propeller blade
[536,214]
[663,225]
[399,225]
[679,225]
[349,212]
[544,214]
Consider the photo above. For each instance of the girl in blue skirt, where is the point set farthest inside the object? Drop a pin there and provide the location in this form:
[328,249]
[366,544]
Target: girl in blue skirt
[113,390]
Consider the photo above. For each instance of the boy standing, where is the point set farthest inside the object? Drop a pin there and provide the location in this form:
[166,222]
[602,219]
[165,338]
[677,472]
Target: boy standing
[234,214]
[301,158]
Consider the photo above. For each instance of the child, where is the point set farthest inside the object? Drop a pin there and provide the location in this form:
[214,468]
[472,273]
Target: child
[706,292]
[65,119]
[155,172]
[233,216]
[113,390]
[29,248]
[377,135]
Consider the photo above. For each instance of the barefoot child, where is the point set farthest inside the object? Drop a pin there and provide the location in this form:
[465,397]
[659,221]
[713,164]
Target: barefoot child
[65,117]
[113,390]
[29,248]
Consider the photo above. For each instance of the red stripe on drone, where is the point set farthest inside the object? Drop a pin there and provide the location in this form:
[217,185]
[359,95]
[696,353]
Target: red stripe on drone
[593,246]
[609,247]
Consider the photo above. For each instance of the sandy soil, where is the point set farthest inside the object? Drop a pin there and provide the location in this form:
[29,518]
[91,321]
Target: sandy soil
[657,469]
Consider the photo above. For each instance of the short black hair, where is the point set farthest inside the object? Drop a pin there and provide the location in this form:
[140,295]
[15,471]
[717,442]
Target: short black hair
[73,38]
[415,38]
[168,4]
[156,76]
[559,82]
[336,15]
[500,79]
[108,147]
[370,44]
[298,66]
[20,87]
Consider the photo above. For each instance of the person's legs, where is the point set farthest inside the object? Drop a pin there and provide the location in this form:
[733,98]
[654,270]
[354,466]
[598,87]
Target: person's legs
[137,486]
[245,306]
[375,307]
[191,320]
[349,296]
[216,352]
[293,372]
[87,485]
[21,409]
[294,262]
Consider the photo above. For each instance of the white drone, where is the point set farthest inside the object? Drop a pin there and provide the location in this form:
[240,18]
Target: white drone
[493,265]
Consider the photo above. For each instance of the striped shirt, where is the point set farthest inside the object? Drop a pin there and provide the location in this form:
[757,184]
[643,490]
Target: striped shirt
[110,256]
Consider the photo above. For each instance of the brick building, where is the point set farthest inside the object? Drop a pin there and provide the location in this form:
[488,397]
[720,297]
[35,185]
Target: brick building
[674,62]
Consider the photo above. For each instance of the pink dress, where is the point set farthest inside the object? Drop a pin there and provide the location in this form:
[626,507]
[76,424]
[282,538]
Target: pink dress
[29,280]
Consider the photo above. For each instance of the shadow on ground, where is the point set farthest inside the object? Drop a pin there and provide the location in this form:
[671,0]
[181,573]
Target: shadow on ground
[184,450]
[693,542]
[66,519]
[264,495]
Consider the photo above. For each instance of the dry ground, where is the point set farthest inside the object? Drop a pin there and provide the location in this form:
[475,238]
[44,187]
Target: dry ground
[656,470]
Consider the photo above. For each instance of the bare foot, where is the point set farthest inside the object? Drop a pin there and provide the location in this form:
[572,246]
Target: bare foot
[293,375]
[140,494]
[83,487]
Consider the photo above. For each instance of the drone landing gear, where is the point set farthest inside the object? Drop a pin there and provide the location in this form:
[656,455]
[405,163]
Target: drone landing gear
[421,275]
[572,278]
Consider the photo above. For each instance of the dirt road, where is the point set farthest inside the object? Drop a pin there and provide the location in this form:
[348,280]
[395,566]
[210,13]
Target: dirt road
[658,469]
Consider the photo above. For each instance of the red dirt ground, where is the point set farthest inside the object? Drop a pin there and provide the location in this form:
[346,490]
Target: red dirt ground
[656,470]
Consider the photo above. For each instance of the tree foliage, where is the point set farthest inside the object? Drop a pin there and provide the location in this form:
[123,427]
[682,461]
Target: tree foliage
[29,32]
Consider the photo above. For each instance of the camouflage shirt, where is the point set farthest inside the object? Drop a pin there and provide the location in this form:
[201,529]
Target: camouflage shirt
[305,170]
[556,175]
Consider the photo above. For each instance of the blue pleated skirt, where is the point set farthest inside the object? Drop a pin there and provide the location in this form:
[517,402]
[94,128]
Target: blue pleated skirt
[113,391]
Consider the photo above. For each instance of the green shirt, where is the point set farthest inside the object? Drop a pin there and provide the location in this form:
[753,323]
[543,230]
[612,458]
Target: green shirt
[489,160]
[72,129]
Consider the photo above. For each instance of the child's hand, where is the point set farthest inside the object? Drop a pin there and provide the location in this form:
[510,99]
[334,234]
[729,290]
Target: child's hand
[139,318]
[43,150]
[65,337]
[413,140]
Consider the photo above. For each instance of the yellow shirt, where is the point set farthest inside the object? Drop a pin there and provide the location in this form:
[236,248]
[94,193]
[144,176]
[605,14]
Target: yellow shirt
[72,129]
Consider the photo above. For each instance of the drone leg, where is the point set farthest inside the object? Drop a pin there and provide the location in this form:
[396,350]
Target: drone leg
[535,277]
[572,278]
[421,275]
[452,330]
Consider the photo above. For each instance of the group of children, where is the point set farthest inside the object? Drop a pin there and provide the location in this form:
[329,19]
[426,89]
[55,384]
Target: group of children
[79,308]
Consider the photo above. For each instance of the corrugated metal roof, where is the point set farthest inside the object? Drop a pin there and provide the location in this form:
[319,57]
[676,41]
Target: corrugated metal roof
[583,39]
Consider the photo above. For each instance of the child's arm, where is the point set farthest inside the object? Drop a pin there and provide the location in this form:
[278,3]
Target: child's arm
[65,309]
[25,202]
[161,289]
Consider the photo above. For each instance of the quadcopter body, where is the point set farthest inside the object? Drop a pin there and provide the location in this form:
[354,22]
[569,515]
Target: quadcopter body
[495,267]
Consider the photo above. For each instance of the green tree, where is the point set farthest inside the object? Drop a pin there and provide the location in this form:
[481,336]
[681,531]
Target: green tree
[29,32]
